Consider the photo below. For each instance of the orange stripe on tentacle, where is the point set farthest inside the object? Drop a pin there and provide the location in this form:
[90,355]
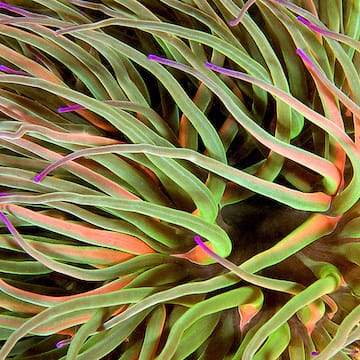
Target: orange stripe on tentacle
[111,239]
[53,300]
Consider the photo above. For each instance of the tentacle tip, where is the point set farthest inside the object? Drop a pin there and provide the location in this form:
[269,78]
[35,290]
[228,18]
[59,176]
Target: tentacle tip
[8,70]
[209,65]
[199,254]
[63,342]
[5,220]
[301,53]
[38,178]
[59,32]
[70,108]
[310,25]
[304,57]
[199,241]
[302,20]
[153,57]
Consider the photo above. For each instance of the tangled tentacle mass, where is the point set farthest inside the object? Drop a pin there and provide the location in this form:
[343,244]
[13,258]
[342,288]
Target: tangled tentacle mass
[179,179]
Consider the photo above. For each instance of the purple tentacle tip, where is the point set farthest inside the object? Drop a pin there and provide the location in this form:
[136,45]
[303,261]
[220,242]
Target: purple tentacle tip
[209,65]
[203,246]
[38,178]
[70,108]
[314,353]
[5,220]
[63,342]
[300,52]
[158,59]
[152,57]
[8,70]
[311,26]
[305,58]
[162,60]
[199,241]
[303,20]
[3,68]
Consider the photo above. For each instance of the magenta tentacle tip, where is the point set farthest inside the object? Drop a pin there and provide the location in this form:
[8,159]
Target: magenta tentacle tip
[300,52]
[303,20]
[162,60]
[159,59]
[208,251]
[311,26]
[153,57]
[5,220]
[304,57]
[210,65]
[199,241]
[8,70]
[63,342]
[38,178]
[70,108]
[233,22]
[203,246]
[4,5]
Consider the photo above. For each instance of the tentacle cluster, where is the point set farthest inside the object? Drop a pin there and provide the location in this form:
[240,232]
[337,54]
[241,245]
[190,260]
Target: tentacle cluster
[179,179]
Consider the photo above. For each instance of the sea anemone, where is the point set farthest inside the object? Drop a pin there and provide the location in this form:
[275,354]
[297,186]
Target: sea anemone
[180,179]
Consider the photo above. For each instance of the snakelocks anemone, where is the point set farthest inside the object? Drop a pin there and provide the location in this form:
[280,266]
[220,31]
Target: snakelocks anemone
[179,179]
